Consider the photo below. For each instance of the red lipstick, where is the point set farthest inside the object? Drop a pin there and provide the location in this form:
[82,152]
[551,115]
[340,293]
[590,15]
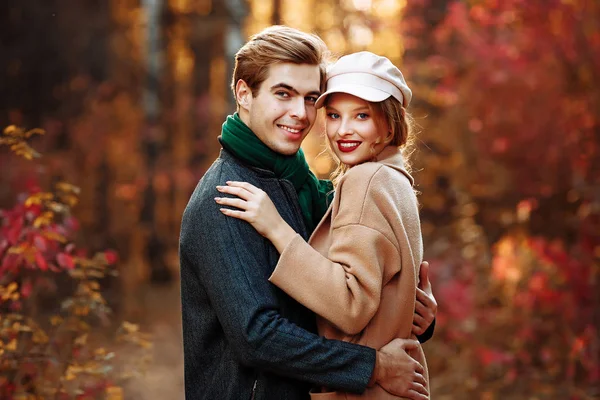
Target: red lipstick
[347,146]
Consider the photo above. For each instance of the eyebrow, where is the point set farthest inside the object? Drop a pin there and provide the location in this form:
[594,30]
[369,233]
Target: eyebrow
[282,85]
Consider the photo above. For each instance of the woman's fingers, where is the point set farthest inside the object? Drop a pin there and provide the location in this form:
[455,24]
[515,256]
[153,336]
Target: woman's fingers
[420,308]
[236,191]
[244,185]
[234,213]
[417,330]
[424,298]
[232,202]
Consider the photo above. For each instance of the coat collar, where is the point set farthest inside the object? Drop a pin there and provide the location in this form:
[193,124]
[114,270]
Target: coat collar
[392,157]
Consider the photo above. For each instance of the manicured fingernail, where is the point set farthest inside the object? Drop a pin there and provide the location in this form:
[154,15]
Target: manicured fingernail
[217,199]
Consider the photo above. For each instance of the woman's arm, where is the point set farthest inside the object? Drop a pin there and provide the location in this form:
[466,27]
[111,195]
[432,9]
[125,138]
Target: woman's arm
[345,287]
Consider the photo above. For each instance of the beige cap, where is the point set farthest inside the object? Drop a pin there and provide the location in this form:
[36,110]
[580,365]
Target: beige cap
[368,76]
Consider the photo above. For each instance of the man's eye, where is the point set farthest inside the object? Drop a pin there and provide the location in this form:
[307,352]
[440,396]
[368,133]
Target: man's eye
[362,116]
[311,99]
[282,94]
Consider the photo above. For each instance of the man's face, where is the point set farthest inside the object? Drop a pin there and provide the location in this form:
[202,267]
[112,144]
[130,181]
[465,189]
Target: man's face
[283,111]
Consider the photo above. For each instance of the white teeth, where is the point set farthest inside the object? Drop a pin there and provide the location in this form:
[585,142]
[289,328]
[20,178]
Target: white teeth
[349,145]
[289,129]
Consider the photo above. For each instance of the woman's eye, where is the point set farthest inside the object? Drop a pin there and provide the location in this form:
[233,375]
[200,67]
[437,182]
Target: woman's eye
[362,116]
[333,115]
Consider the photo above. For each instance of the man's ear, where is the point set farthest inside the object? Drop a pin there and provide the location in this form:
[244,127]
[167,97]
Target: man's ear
[243,94]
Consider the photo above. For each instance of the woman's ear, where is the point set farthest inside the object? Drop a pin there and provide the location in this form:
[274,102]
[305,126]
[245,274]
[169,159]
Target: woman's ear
[243,94]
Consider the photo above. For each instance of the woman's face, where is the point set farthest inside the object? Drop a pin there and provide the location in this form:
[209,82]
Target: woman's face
[355,131]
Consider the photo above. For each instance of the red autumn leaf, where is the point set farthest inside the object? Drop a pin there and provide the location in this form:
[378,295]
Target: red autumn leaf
[9,263]
[111,256]
[14,230]
[26,289]
[53,267]
[41,261]
[33,211]
[69,248]
[66,261]
[3,246]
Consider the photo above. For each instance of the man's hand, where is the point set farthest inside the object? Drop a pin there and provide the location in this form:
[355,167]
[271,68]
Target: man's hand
[426,306]
[398,373]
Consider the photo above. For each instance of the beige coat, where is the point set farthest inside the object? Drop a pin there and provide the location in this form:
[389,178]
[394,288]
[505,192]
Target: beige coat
[359,271]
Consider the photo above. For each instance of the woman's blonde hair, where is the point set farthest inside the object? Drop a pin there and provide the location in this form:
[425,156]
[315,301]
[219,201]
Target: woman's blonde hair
[273,45]
[400,124]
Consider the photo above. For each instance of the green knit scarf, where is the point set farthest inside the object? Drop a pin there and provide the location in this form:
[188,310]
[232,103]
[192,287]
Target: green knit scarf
[314,194]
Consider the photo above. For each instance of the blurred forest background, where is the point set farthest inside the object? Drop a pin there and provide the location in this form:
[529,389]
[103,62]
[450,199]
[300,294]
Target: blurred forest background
[131,95]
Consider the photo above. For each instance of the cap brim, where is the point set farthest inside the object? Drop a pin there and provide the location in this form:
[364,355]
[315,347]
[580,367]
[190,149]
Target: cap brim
[364,92]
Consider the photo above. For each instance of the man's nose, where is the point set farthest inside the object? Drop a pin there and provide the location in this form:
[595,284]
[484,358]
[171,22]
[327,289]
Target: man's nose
[299,109]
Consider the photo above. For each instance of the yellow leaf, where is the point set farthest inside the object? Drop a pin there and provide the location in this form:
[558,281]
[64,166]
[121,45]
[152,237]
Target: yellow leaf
[56,320]
[129,327]
[35,131]
[67,187]
[12,287]
[100,352]
[82,310]
[9,130]
[40,337]
[114,393]
[81,340]
[31,200]
[54,236]
[20,249]
[44,219]
[56,207]
[70,200]
[69,375]
[12,345]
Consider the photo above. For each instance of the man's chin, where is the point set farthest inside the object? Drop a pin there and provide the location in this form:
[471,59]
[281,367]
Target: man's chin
[286,149]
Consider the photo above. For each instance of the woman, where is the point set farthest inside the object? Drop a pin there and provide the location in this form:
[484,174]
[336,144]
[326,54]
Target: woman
[360,268]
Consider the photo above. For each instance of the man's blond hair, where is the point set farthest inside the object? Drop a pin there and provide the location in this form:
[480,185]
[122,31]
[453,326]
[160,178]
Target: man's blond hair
[274,45]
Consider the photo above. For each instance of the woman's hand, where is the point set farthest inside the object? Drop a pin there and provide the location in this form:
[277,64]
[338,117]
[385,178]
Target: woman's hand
[426,305]
[256,208]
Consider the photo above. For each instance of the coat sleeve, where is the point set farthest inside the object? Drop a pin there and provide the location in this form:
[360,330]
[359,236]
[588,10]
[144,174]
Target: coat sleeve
[344,287]
[231,263]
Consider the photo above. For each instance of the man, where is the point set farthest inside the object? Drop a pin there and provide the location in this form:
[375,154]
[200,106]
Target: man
[243,337]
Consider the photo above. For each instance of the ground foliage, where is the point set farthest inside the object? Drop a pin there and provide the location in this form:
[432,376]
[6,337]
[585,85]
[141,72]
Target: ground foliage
[54,316]
[513,150]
